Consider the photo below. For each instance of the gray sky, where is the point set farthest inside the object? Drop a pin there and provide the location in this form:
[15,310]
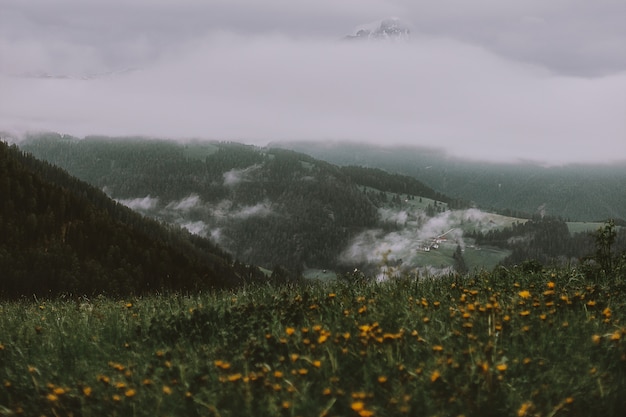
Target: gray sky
[505,80]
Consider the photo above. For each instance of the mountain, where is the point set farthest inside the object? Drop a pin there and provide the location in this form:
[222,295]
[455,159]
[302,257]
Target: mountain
[577,192]
[278,208]
[61,235]
[387,29]
[265,206]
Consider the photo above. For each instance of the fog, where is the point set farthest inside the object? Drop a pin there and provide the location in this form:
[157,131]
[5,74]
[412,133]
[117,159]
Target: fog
[199,217]
[415,233]
[530,80]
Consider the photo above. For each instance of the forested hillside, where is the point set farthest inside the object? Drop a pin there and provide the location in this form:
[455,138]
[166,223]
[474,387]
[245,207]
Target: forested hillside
[265,206]
[61,235]
[576,192]
[275,207]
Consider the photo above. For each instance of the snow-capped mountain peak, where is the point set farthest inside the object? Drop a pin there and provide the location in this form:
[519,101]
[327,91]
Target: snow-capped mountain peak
[387,29]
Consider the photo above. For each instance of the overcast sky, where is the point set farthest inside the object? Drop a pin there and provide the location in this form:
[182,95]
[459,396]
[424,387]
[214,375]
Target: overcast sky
[488,79]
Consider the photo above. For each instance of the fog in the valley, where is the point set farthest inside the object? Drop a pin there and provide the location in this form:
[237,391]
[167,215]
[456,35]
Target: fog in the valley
[415,233]
[534,80]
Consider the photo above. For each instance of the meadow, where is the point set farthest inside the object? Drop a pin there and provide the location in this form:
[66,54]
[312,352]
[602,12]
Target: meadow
[502,343]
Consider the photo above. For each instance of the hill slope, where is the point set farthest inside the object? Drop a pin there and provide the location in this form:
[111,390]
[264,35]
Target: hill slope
[576,192]
[58,234]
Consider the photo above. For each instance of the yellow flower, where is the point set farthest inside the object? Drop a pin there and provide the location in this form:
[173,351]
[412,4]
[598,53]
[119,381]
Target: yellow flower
[278,374]
[382,379]
[435,376]
[286,404]
[59,391]
[234,377]
[366,413]
[166,390]
[130,393]
[501,367]
[290,331]
[524,294]
[524,313]
[87,391]
[437,348]
[551,285]
[524,409]
[317,364]
[52,398]
[357,406]
[617,335]
[322,339]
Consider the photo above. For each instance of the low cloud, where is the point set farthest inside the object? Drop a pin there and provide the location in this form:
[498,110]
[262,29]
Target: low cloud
[140,204]
[236,176]
[418,233]
[433,91]
[258,210]
[197,228]
[186,204]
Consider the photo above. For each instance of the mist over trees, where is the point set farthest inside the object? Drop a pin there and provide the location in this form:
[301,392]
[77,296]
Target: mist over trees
[289,212]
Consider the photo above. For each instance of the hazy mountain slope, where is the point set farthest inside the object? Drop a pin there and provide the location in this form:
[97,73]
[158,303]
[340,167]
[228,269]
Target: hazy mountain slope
[59,234]
[577,192]
[265,206]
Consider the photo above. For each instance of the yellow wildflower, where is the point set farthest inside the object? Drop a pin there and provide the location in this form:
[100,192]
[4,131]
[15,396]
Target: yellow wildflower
[130,393]
[435,376]
[524,294]
[290,331]
[234,377]
[166,390]
[357,406]
[524,409]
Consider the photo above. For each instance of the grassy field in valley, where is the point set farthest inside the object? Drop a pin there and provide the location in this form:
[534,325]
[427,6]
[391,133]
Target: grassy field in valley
[500,343]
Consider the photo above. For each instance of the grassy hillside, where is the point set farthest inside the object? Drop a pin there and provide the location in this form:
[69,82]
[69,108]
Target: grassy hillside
[500,344]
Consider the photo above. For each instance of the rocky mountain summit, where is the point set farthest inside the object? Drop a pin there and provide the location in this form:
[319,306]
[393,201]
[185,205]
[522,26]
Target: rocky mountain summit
[387,29]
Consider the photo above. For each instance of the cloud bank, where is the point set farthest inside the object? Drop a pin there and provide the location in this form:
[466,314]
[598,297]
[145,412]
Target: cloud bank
[527,81]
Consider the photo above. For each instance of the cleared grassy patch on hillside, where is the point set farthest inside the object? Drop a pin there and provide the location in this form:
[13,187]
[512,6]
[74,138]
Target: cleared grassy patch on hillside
[584,227]
[492,344]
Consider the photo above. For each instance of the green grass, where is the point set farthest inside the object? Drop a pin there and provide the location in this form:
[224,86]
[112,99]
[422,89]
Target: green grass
[501,344]
[584,227]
